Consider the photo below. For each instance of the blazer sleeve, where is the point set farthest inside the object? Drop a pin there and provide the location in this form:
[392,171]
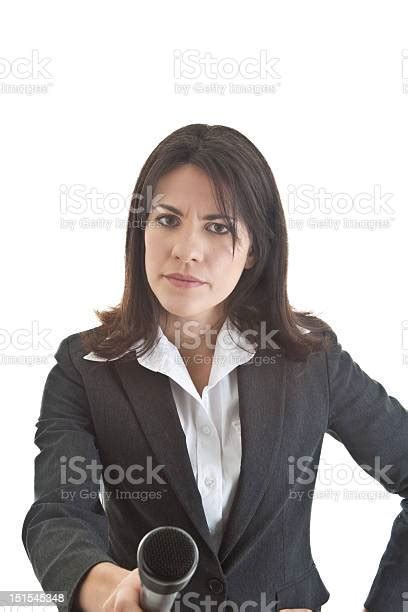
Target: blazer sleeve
[65,531]
[372,424]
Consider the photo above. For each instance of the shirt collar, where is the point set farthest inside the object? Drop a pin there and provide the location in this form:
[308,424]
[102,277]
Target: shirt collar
[164,346]
[165,357]
[232,349]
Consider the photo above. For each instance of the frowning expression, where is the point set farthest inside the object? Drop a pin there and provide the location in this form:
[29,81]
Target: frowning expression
[185,234]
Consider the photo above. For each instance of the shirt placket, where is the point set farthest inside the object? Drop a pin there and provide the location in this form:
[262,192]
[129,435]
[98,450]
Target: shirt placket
[209,466]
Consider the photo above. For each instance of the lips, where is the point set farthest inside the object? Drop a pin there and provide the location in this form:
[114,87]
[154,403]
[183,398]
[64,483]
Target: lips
[184,282]
[184,277]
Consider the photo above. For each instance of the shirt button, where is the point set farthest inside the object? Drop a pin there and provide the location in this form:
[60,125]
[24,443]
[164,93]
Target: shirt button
[206,430]
[209,482]
[215,585]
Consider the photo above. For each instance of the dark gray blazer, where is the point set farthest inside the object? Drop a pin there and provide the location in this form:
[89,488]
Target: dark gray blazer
[120,413]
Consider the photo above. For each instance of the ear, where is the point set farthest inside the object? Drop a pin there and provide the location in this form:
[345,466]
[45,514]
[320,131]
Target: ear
[250,260]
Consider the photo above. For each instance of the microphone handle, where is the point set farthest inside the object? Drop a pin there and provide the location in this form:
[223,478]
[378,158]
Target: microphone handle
[156,602]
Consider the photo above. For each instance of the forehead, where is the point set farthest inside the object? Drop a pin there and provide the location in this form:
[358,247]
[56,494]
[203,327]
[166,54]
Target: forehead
[188,185]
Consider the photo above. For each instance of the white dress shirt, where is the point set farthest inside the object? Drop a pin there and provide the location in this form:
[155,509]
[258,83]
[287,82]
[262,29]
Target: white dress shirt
[210,422]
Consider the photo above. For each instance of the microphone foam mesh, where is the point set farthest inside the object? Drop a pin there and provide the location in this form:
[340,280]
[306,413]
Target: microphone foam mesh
[168,554]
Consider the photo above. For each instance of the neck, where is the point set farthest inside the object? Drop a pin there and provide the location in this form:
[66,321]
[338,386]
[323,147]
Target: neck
[192,335]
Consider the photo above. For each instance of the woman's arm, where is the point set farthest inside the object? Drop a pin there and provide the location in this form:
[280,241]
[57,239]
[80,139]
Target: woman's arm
[374,428]
[65,532]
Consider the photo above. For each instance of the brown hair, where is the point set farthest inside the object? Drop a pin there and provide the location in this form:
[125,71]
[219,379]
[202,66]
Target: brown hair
[243,183]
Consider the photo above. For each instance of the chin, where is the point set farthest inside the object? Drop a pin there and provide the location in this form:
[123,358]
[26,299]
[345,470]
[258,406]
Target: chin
[189,313]
[178,307]
[181,312]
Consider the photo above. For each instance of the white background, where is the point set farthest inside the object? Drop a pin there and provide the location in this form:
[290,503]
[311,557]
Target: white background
[336,121]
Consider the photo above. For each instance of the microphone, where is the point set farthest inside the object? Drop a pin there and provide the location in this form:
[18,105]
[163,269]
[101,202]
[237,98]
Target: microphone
[167,558]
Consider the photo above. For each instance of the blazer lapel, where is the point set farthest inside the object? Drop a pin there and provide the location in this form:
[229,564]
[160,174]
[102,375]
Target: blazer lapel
[261,405]
[153,404]
[261,391]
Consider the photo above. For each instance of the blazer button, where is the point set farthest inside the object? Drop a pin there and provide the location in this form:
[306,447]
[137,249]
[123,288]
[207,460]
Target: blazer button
[216,586]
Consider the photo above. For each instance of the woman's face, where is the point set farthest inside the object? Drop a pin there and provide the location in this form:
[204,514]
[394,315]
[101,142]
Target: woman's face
[184,242]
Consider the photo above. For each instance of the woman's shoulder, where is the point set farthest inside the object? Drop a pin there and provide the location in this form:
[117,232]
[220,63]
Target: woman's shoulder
[318,329]
[74,343]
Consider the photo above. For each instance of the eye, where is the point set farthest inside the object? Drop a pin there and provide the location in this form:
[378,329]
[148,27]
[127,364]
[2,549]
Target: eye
[158,219]
[222,226]
[218,225]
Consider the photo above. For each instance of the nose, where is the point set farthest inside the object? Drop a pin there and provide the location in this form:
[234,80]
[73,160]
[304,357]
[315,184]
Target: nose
[187,247]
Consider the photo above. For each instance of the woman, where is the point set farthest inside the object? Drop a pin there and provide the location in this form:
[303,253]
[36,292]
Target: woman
[206,379]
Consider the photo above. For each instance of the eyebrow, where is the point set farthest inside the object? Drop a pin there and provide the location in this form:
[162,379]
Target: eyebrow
[211,217]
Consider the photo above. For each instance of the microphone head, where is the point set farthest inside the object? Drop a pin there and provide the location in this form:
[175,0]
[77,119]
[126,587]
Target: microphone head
[167,558]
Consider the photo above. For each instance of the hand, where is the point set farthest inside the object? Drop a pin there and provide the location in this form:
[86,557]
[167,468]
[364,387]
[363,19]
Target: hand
[126,595]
